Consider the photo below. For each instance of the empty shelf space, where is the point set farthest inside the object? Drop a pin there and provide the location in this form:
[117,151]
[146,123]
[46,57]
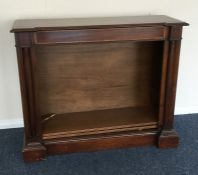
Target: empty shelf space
[99,121]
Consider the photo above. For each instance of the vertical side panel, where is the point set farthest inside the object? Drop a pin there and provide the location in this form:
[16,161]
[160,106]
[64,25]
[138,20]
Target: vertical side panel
[29,86]
[24,94]
[172,73]
[163,82]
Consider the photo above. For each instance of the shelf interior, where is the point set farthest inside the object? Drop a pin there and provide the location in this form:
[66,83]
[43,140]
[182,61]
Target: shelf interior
[98,87]
[96,122]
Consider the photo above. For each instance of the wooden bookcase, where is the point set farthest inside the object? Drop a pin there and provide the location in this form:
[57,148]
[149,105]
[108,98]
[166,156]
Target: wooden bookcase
[97,83]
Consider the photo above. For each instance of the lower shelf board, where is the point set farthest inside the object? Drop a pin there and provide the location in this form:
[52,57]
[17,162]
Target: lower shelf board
[100,121]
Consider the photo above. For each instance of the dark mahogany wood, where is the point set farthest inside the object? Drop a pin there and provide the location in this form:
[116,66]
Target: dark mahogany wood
[97,83]
[168,139]
[102,142]
[98,35]
[85,23]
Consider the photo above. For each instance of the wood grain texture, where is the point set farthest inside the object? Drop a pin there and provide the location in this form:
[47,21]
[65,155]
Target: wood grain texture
[148,33]
[172,73]
[104,22]
[26,64]
[96,122]
[102,142]
[97,76]
[105,87]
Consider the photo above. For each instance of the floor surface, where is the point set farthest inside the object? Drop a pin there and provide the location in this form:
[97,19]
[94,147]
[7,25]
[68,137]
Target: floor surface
[131,161]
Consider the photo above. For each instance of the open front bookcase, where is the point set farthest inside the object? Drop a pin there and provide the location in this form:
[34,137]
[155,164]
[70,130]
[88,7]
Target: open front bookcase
[97,83]
[98,88]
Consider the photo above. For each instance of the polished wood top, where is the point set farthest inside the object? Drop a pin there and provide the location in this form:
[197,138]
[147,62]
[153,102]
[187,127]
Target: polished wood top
[102,22]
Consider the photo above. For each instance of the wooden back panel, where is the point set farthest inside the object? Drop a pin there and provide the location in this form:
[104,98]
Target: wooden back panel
[86,77]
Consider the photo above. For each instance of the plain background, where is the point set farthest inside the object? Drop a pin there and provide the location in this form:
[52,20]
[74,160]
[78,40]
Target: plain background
[10,10]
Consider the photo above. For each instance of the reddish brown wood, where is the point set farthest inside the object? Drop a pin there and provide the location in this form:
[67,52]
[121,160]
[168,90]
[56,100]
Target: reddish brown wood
[97,84]
[28,89]
[34,151]
[163,82]
[98,35]
[75,70]
[172,71]
[168,139]
[102,142]
[105,121]
[86,23]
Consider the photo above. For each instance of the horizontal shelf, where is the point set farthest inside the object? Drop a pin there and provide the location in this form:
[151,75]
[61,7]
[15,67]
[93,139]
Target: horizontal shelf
[97,122]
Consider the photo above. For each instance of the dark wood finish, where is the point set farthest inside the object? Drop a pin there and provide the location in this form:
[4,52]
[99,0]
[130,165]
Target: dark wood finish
[97,76]
[168,139]
[97,35]
[85,23]
[26,63]
[105,121]
[102,142]
[173,63]
[98,83]
[34,151]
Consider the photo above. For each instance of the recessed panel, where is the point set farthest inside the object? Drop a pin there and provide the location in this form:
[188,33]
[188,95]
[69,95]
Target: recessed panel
[87,77]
